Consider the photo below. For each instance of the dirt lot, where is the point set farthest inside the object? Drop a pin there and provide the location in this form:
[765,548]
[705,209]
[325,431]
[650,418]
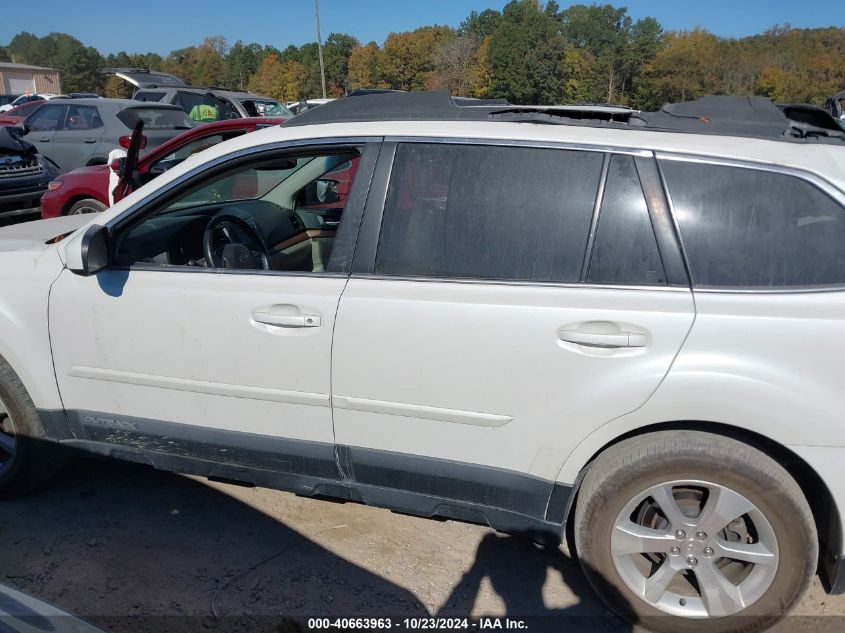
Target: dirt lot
[138,550]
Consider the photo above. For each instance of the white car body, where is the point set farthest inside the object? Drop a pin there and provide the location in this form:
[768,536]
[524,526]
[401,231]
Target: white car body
[463,378]
[17,102]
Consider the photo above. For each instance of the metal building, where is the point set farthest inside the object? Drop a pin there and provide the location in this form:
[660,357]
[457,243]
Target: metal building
[22,78]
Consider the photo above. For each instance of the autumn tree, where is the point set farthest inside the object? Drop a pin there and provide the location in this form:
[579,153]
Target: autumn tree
[284,81]
[457,68]
[363,66]
[407,59]
[687,68]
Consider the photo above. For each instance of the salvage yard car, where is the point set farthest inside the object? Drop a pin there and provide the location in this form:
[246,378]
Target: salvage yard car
[73,133]
[86,190]
[202,104]
[24,175]
[584,320]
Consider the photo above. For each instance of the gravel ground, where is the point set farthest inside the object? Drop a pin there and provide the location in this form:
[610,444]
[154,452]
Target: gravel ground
[133,549]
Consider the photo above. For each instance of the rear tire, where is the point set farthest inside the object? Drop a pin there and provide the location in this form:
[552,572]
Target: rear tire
[655,521]
[88,205]
[27,458]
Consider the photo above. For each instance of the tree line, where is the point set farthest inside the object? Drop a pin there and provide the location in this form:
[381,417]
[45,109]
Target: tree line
[528,53]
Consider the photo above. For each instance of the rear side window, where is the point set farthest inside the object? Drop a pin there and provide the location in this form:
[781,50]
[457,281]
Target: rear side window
[149,96]
[82,118]
[752,228]
[155,118]
[625,248]
[474,211]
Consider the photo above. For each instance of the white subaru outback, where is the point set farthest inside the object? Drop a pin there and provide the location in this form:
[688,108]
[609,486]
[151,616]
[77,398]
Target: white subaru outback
[624,327]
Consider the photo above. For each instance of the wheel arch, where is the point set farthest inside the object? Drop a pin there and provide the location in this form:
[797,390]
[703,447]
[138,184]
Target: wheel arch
[826,513]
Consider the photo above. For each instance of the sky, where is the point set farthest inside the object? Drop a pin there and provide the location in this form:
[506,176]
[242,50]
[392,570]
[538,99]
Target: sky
[161,26]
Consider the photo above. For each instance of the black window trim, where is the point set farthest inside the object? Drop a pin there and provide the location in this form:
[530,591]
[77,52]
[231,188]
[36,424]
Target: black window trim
[363,264]
[663,222]
[810,178]
[594,220]
[145,207]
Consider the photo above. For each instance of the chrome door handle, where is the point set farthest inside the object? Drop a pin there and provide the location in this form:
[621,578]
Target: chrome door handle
[285,320]
[609,341]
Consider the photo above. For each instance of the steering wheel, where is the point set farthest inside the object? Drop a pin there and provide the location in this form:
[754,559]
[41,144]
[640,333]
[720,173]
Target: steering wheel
[234,254]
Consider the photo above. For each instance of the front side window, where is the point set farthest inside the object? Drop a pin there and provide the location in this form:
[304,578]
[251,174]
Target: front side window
[188,149]
[47,119]
[755,229]
[205,107]
[488,212]
[258,216]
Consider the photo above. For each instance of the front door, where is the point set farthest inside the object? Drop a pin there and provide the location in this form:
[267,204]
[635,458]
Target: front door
[494,342]
[43,125]
[209,337]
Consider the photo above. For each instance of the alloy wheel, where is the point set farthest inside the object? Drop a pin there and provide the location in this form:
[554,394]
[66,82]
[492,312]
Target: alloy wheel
[695,549]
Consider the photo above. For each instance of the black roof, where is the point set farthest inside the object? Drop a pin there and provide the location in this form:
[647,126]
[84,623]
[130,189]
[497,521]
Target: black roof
[755,117]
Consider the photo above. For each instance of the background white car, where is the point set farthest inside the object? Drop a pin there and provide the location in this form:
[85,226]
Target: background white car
[27,98]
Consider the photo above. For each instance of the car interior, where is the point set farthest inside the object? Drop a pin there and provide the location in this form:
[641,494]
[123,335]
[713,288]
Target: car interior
[276,214]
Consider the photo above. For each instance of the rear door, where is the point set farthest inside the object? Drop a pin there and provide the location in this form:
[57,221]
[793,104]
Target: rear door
[515,300]
[76,141]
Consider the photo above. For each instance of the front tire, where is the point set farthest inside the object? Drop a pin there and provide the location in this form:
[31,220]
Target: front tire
[684,531]
[88,205]
[27,458]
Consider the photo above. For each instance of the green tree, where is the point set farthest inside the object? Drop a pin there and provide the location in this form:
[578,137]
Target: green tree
[240,63]
[336,54]
[480,25]
[522,29]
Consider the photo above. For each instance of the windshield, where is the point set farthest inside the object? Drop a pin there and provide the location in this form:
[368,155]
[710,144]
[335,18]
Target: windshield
[156,118]
[246,184]
[266,107]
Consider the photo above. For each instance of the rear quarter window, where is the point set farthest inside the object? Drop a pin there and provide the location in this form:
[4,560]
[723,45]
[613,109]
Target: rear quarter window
[149,96]
[155,118]
[750,228]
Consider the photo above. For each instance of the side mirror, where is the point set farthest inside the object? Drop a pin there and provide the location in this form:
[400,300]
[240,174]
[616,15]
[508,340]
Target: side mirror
[94,251]
[327,190]
[19,130]
[322,191]
[118,165]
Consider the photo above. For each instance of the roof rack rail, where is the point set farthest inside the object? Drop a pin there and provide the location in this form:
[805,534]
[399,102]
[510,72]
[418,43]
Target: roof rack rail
[755,117]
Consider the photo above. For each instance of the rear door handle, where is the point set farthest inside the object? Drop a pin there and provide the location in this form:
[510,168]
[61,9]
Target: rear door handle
[609,341]
[287,320]
[90,140]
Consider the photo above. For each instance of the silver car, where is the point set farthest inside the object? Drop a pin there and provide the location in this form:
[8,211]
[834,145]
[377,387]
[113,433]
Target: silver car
[73,133]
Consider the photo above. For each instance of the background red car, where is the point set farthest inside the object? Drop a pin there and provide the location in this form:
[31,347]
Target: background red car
[86,190]
[19,113]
